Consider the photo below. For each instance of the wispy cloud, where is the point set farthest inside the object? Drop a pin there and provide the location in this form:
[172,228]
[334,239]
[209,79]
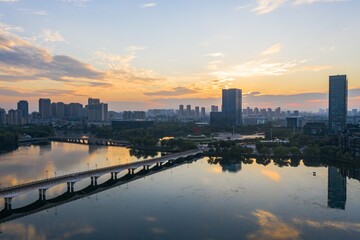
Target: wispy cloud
[301,2]
[272,50]
[48,35]
[216,54]
[33,11]
[9,0]
[266,6]
[9,28]
[79,3]
[149,5]
[135,48]
[172,92]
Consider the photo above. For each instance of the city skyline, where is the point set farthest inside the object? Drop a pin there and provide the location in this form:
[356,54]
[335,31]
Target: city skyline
[167,54]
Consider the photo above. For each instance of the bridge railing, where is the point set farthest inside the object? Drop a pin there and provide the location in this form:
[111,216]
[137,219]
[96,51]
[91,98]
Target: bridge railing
[99,170]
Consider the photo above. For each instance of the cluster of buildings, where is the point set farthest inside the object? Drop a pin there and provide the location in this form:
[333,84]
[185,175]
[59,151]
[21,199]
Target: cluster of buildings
[94,111]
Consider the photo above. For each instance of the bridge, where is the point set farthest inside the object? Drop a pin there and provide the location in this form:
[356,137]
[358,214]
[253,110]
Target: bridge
[41,205]
[42,185]
[91,141]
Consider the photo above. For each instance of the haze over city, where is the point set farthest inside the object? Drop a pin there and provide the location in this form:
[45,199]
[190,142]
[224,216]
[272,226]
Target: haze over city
[137,55]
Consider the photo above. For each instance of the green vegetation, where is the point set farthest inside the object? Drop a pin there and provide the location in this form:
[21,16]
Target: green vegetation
[9,134]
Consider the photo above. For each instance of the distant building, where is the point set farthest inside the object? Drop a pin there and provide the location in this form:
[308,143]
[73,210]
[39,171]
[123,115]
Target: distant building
[338,102]
[188,111]
[203,112]
[293,122]
[315,129]
[2,116]
[336,188]
[97,112]
[133,115]
[93,101]
[14,117]
[197,111]
[232,106]
[181,110]
[214,108]
[45,108]
[60,110]
[23,107]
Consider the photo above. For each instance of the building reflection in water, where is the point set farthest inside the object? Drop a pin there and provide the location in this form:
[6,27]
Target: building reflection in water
[336,188]
[232,167]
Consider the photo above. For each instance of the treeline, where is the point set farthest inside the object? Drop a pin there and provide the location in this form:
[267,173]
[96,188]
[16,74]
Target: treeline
[9,134]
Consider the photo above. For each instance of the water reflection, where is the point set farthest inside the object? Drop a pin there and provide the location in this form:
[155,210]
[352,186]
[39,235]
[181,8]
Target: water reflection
[336,188]
[213,198]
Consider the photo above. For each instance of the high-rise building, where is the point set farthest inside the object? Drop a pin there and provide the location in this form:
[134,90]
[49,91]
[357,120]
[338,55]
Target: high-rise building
[60,110]
[2,116]
[45,108]
[181,110]
[93,101]
[97,111]
[23,107]
[232,106]
[197,111]
[338,101]
[14,117]
[202,113]
[188,110]
[214,108]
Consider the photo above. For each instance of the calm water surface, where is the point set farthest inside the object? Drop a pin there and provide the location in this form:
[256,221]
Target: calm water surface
[197,200]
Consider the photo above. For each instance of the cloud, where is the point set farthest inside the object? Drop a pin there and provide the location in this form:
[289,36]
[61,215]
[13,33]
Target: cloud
[272,50]
[344,226]
[9,28]
[216,54]
[9,0]
[48,35]
[19,60]
[271,227]
[301,2]
[33,11]
[149,5]
[256,68]
[136,48]
[173,92]
[266,6]
[78,3]
[241,7]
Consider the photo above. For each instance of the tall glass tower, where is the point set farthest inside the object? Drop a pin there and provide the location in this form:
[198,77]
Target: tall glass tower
[338,101]
[232,106]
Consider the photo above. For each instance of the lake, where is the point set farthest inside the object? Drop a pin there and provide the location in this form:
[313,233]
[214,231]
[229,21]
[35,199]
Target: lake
[202,199]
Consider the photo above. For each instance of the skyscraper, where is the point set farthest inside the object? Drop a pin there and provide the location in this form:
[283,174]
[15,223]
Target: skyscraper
[232,106]
[45,108]
[97,111]
[23,107]
[338,94]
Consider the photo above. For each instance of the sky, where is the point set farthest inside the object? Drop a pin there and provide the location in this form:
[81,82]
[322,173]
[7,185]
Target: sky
[137,55]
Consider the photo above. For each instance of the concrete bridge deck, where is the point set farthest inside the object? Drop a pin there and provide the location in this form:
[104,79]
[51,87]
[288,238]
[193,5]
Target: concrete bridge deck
[41,205]
[42,185]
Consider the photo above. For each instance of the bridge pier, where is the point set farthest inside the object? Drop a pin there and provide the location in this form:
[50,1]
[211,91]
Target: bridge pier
[8,204]
[146,167]
[70,187]
[42,195]
[131,171]
[159,164]
[114,175]
[94,180]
